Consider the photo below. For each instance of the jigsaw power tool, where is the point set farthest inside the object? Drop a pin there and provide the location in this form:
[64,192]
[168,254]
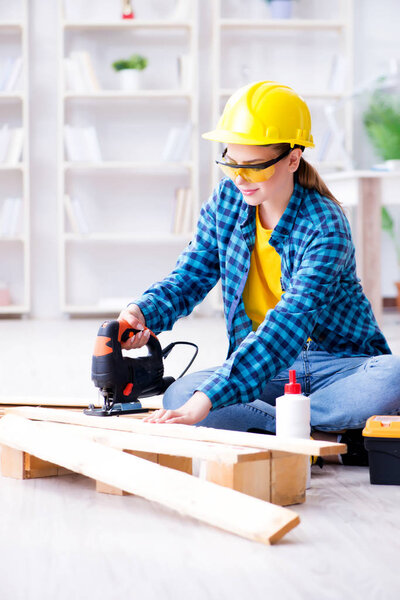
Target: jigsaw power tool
[122,380]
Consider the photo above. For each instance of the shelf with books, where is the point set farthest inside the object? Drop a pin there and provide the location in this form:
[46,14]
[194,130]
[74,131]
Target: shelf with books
[6,26]
[123,25]
[312,94]
[119,94]
[11,97]
[14,160]
[12,238]
[14,309]
[128,238]
[161,167]
[21,166]
[283,24]
[125,151]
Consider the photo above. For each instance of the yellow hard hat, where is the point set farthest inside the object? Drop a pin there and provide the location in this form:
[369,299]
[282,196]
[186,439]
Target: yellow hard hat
[261,113]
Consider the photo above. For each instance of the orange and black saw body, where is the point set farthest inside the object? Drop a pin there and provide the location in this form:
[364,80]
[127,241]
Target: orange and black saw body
[123,380]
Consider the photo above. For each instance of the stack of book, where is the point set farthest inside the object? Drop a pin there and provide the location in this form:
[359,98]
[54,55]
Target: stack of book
[177,143]
[76,217]
[11,142]
[82,144]
[10,74]
[183,213]
[80,75]
[10,216]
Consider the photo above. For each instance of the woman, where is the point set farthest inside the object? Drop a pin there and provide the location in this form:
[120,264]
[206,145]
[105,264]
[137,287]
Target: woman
[282,246]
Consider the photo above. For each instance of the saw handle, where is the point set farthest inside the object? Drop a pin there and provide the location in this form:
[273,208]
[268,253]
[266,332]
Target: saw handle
[126,331]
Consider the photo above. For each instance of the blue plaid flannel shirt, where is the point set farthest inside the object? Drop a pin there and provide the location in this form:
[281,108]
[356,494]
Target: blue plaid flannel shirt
[322,298]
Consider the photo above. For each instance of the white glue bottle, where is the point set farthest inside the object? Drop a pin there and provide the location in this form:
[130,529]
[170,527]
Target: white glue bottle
[293,414]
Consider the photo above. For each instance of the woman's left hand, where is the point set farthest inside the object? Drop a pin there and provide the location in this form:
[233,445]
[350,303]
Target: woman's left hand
[194,410]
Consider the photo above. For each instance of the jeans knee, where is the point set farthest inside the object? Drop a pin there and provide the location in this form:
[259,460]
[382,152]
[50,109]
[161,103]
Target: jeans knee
[175,396]
[388,367]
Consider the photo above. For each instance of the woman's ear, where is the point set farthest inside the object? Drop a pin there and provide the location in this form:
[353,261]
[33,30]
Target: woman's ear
[294,159]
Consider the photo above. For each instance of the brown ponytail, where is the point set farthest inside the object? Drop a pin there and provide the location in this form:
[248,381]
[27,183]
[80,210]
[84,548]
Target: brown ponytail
[309,177]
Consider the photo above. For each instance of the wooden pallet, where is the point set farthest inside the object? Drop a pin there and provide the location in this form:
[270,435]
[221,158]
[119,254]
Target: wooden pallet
[47,442]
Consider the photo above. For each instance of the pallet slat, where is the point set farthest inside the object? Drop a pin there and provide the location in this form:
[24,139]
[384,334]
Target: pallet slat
[123,440]
[224,508]
[205,434]
[153,402]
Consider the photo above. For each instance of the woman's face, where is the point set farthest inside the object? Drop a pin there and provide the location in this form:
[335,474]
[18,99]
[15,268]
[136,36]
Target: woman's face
[277,186]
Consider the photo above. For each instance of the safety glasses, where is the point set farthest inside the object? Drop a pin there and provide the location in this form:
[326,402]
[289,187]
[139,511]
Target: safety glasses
[254,173]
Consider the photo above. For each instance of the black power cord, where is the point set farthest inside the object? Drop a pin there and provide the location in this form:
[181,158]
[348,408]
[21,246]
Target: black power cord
[168,349]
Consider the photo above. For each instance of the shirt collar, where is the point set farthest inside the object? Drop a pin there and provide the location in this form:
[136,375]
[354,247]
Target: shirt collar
[287,220]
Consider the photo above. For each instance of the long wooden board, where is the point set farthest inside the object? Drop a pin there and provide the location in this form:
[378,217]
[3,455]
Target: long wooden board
[205,434]
[224,508]
[153,402]
[123,440]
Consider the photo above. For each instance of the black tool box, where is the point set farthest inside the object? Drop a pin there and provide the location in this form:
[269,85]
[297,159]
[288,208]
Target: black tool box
[382,441]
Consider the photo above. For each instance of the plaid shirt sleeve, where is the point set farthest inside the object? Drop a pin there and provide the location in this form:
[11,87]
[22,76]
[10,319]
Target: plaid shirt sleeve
[279,339]
[195,274]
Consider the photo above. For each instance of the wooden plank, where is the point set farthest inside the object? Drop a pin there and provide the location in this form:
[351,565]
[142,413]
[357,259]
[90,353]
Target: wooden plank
[206,434]
[288,478]
[153,403]
[227,509]
[20,465]
[246,474]
[104,488]
[157,445]
[252,478]
[12,462]
[180,463]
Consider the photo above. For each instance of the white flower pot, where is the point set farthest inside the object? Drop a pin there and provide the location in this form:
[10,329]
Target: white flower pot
[393,165]
[130,79]
[281,9]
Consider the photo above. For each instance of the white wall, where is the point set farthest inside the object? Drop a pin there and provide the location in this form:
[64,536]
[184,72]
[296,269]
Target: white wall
[376,40]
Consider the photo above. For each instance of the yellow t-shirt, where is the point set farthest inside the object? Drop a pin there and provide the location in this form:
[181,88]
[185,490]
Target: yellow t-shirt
[263,286]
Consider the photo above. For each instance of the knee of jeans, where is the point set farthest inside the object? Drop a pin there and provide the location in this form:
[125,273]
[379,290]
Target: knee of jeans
[175,395]
[388,366]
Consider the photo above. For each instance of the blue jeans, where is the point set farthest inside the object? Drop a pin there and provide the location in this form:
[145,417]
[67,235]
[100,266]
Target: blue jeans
[343,392]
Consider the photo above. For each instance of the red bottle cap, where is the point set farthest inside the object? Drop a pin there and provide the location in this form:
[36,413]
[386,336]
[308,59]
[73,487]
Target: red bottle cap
[292,387]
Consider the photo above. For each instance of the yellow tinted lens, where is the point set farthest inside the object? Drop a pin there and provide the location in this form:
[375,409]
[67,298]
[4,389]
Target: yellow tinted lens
[250,175]
[229,171]
[258,175]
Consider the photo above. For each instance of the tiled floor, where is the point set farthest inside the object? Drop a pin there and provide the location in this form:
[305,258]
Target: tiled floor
[61,540]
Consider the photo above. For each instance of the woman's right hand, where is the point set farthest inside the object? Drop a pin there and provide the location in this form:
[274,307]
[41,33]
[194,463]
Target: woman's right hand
[134,316]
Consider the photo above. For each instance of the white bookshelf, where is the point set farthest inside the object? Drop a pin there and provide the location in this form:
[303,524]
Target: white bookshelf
[241,31]
[14,177]
[99,259]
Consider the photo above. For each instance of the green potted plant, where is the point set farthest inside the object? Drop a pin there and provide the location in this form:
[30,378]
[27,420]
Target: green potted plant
[130,71]
[388,225]
[382,122]
[280,9]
